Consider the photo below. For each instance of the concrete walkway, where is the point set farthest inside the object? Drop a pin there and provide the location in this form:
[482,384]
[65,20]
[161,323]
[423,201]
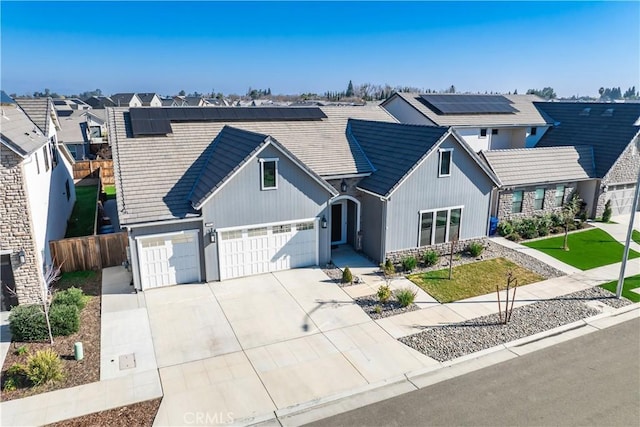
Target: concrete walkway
[620,229]
[547,259]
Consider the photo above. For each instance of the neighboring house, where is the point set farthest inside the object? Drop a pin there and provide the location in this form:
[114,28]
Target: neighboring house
[612,132]
[486,122]
[126,100]
[100,102]
[237,192]
[150,99]
[536,181]
[170,102]
[42,112]
[37,193]
[193,101]
[74,134]
[218,102]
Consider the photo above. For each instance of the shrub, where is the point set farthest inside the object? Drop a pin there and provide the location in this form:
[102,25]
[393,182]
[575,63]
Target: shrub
[475,249]
[16,377]
[65,319]
[347,277]
[22,350]
[384,293]
[44,366]
[27,323]
[430,258]
[378,309]
[528,229]
[606,214]
[71,296]
[409,263]
[405,296]
[505,228]
[388,268]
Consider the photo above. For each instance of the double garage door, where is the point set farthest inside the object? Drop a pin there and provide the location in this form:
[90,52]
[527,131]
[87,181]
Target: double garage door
[621,197]
[266,248]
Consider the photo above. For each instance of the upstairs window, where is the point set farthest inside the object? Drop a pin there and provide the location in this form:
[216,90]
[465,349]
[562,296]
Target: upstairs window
[559,195]
[538,201]
[516,202]
[269,174]
[45,154]
[494,131]
[96,131]
[534,131]
[483,133]
[444,168]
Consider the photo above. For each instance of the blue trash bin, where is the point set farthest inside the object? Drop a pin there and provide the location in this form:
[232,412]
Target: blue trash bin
[493,225]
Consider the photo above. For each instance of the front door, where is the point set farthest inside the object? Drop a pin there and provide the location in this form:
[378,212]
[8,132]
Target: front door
[338,223]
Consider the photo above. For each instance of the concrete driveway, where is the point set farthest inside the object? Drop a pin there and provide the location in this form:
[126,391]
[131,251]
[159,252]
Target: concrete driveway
[236,351]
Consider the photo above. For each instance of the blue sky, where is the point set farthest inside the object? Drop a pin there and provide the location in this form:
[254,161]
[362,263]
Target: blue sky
[295,47]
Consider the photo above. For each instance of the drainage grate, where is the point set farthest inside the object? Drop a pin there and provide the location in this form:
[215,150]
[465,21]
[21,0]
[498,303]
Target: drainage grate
[127,361]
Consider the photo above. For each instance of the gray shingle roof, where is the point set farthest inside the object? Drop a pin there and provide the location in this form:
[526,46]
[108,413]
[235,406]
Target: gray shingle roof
[100,102]
[146,97]
[73,128]
[609,135]
[394,150]
[38,110]
[528,166]
[527,114]
[19,133]
[122,99]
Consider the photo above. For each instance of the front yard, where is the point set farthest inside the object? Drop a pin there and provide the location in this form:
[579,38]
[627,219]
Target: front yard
[630,283]
[469,280]
[587,249]
[83,217]
[635,236]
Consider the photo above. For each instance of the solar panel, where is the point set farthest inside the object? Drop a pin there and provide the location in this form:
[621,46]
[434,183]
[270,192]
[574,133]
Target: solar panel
[468,104]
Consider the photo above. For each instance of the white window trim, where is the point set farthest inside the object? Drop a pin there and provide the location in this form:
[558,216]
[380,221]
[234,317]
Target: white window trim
[442,150]
[433,212]
[486,132]
[262,162]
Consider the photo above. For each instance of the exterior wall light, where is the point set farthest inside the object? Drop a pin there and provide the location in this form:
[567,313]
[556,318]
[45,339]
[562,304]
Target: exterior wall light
[323,222]
[343,186]
[22,257]
[212,235]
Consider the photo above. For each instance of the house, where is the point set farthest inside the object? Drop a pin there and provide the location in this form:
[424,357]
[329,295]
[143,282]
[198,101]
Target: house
[193,101]
[486,122]
[611,130]
[100,102]
[74,134]
[126,100]
[37,193]
[238,192]
[536,181]
[150,99]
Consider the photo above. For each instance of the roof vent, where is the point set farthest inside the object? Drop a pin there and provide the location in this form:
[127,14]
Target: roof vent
[608,112]
[585,112]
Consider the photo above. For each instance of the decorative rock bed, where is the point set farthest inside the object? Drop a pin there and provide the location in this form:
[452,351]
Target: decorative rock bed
[390,308]
[456,340]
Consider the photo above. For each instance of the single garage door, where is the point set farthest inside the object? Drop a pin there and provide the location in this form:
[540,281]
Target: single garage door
[621,197]
[169,259]
[266,248]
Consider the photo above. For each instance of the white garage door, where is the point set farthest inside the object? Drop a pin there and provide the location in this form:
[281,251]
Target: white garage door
[267,248]
[621,197]
[169,259]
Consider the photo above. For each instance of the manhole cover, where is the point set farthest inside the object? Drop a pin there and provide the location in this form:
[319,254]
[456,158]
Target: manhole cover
[127,361]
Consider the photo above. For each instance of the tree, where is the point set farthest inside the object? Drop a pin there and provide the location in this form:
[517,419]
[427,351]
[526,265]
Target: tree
[515,92]
[601,91]
[182,93]
[546,93]
[349,92]
[569,212]
[452,89]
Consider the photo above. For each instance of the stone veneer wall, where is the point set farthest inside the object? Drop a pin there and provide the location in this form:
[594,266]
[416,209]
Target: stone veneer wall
[528,199]
[441,248]
[624,171]
[15,228]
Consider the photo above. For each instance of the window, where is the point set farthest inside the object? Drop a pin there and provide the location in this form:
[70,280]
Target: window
[516,203]
[305,226]
[45,154]
[534,131]
[95,131]
[538,201]
[269,173]
[37,162]
[559,195]
[439,226]
[229,235]
[494,131]
[445,162]
[67,189]
[254,232]
[277,229]
[483,133]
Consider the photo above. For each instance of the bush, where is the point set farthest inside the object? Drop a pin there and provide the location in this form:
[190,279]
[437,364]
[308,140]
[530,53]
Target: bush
[44,366]
[71,296]
[65,319]
[22,350]
[388,268]
[27,323]
[556,221]
[430,258]
[384,293]
[409,263]
[405,296]
[606,215]
[347,277]
[475,249]
[505,228]
[16,377]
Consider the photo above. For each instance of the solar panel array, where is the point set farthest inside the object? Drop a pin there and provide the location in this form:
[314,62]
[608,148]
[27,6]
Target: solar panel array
[157,121]
[468,104]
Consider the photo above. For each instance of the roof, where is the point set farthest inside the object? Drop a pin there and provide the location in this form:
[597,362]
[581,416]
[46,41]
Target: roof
[100,102]
[168,102]
[99,114]
[6,99]
[527,166]
[394,150]
[192,101]
[144,185]
[73,128]
[146,97]
[590,123]
[122,99]
[525,115]
[38,110]
[19,133]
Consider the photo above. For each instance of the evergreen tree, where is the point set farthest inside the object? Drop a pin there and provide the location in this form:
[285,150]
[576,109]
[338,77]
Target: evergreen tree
[349,92]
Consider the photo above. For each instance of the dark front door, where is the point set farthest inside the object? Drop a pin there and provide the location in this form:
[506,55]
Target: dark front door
[336,222]
[8,284]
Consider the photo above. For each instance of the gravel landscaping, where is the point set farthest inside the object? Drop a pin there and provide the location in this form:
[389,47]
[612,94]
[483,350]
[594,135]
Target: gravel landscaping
[452,341]
[138,414]
[390,308]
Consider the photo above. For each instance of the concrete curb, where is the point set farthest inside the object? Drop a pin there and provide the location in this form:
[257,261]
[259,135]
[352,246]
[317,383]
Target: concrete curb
[414,380]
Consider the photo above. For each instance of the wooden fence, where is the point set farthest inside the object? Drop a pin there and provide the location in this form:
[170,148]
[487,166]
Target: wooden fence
[90,168]
[90,252]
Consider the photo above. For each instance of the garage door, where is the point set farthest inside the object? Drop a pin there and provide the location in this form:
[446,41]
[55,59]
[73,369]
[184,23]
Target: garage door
[621,197]
[267,248]
[169,259]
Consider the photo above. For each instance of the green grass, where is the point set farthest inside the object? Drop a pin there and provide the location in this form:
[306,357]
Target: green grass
[470,280]
[587,249]
[635,236]
[110,191]
[629,283]
[84,212]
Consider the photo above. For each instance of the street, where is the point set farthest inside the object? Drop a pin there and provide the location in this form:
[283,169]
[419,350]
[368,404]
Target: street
[591,380]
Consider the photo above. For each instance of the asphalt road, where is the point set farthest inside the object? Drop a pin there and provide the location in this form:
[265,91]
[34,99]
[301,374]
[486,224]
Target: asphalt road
[593,380]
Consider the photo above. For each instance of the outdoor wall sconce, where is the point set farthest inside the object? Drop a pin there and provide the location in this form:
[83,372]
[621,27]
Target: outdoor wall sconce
[343,186]
[212,235]
[22,257]
[323,222]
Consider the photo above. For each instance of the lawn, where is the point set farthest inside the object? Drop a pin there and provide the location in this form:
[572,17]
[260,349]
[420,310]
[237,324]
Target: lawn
[470,280]
[629,283]
[635,236]
[587,249]
[83,216]
[110,191]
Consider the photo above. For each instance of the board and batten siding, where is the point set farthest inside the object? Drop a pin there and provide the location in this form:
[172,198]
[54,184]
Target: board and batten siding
[467,186]
[406,113]
[241,202]
[371,224]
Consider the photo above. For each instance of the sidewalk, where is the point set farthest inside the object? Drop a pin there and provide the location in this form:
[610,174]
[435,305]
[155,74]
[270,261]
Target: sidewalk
[620,229]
